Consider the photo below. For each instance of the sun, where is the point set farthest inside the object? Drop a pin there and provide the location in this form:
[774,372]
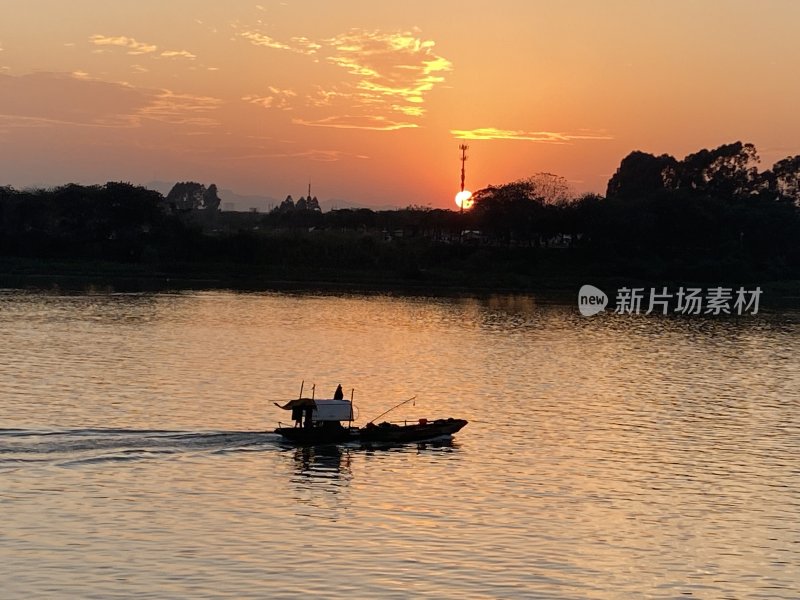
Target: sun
[464,199]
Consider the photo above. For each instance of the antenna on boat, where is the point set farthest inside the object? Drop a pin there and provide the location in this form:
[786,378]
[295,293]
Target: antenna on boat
[350,421]
[302,383]
[313,389]
[391,409]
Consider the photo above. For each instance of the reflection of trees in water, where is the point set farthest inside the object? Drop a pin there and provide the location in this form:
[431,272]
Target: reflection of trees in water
[512,312]
[90,304]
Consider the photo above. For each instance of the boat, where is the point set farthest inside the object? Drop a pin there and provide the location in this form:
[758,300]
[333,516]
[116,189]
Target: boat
[320,421]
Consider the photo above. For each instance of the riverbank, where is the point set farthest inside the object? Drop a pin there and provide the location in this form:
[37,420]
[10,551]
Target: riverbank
[549,282]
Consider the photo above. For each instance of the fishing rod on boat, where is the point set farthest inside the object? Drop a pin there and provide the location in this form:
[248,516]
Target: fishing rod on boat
[391,409]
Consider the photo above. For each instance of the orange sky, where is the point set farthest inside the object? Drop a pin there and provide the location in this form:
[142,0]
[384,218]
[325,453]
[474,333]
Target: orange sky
[371,100]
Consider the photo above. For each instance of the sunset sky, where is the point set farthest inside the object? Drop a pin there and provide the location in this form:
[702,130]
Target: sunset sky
[371,100]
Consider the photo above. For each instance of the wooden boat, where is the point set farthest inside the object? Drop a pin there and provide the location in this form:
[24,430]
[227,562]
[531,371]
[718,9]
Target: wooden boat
[319,421]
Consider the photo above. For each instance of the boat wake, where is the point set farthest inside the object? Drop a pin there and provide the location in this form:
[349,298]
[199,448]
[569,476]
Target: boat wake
[64,448]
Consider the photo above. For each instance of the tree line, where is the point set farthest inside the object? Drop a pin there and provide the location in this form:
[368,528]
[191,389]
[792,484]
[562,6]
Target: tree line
[711,214]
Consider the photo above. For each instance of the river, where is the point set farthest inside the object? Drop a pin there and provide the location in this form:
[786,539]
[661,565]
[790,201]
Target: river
[606,457]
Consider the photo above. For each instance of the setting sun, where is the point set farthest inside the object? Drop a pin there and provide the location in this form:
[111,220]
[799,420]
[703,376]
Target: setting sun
[464,199]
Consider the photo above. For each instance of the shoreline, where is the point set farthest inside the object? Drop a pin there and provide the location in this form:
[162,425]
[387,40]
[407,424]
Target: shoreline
[107,277]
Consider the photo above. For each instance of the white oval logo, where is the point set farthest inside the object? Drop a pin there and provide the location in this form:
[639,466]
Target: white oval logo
[591,300]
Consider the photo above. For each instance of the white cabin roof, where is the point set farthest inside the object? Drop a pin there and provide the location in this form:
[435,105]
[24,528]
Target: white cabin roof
[333,410]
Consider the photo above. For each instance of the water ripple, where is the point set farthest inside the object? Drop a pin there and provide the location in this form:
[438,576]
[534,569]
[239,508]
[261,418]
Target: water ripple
[605,458]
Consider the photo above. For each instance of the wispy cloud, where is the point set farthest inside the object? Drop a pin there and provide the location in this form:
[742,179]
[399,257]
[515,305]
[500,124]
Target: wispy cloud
[304,45]
[313,154]
[277,98]
[26,101]
[299,44]
[398,67]
[137,48]
[388,76]
[373,122]
[178,54]
[134,47]
[493,133]
[259,39]
[181,109]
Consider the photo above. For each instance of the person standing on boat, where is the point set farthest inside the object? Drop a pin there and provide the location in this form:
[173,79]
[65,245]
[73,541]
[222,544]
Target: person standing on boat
[338,394]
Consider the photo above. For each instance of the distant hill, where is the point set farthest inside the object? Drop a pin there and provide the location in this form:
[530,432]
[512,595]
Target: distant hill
[162,187]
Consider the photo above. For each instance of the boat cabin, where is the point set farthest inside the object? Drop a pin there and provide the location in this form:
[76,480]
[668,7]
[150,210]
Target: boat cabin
[310,412]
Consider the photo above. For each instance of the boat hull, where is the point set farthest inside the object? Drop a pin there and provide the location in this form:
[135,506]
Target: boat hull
[318,435]
[416,432]
[384,433]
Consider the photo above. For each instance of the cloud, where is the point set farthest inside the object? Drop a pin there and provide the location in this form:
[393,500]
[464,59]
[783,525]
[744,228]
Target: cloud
[260,39]
[27,101]
[259,148]
[388,76]
[398,67]
[372,122]
[299,44]
[276,99]
[315,155]
[178,54]
[492,133]
[181,109]
[134,47]
[304,45]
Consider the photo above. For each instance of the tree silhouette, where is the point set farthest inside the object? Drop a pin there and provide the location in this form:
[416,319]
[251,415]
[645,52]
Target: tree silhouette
[728,170]
[784,179]
[313,204]
[641,173]
[286,206]
[725,171]
[190,196]
[211,200]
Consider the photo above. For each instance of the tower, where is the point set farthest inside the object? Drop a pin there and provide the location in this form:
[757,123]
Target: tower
[463,148]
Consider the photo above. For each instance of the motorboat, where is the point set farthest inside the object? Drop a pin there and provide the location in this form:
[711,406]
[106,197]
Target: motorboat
[322,421]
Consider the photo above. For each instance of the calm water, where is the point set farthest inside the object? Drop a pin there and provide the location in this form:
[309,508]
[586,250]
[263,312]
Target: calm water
[606,457]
